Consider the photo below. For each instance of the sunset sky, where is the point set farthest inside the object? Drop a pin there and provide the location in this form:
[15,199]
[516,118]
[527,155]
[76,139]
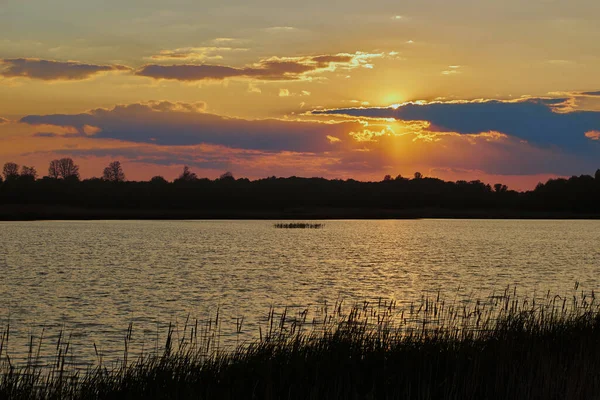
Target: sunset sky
[502,91]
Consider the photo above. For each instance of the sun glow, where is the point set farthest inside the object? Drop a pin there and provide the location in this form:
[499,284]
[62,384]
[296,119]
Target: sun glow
[393,99]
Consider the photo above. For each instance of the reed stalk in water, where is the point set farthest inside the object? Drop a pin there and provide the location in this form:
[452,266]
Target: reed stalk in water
[500,347]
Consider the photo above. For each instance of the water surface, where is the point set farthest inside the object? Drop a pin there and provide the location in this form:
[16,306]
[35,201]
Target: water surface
[91,279]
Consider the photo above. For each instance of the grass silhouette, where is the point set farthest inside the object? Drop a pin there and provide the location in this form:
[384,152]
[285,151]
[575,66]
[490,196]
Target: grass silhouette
[501,347]
[299,225]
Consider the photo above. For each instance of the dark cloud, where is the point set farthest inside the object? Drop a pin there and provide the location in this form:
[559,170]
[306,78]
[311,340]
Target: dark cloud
[591,93]
[48,70]
[269,69]
[180,124]
[326,60]
[544,122]
[189,72]
[272,69]
[46,134]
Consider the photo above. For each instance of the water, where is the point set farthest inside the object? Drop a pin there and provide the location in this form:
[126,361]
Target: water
[91,279]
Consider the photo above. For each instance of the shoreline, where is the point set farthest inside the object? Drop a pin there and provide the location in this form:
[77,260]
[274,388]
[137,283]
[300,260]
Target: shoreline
[46,213]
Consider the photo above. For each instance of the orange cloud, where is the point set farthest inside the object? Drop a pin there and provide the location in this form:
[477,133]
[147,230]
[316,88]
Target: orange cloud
[369,135]
[594,135]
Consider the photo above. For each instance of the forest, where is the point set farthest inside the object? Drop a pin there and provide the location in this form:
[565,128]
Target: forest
[25,195]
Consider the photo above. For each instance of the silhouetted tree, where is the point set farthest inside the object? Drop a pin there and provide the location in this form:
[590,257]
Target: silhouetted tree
[500,188]
[418,175]
[28,172]
[576,194]
[114,172]
[597,175]
[53,169]
[64,168]
[158,180]
[10,171]
[227,176]
[387,178]
[187,175]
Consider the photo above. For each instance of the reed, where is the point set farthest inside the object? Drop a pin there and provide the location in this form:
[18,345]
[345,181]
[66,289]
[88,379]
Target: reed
[501,347]
[299,225]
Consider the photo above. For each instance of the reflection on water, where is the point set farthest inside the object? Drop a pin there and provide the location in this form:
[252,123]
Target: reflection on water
[92,279]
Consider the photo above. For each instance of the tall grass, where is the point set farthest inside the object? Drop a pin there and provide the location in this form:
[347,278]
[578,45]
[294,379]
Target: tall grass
[299,225]
[501,347]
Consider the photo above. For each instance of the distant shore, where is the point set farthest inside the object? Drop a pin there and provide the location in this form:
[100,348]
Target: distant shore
[40,213]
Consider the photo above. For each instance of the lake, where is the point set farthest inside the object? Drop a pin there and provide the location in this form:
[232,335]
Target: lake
[91,279]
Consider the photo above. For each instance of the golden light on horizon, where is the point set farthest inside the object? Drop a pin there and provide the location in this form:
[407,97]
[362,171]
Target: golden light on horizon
[393,100]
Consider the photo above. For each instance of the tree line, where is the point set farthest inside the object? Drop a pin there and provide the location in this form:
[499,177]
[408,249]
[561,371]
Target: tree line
[63,186]
[65,168]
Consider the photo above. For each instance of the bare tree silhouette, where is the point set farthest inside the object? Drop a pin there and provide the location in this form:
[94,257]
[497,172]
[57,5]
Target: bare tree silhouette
[64,168]
[10,171]
[29,172]
[114,172]
[187,175]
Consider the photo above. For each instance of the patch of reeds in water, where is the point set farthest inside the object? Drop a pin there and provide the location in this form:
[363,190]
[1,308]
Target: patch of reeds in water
[501,347]
[298,225]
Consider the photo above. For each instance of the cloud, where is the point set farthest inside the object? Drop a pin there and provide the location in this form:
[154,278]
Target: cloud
[368,135]
[253,89]
[453,70]
[46,134]
[592,94]
[4,121]
[48,70]
[224,40]
[168,124]
[168,133]
[206,160]
[543,122]
[278,29]
[561,63]
[195,53]
[593,135]
[190,72]
[287,93]
[269,69]
[362,103]
[201,156]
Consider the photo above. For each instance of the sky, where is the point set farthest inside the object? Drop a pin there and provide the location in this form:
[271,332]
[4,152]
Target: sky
[500,91]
